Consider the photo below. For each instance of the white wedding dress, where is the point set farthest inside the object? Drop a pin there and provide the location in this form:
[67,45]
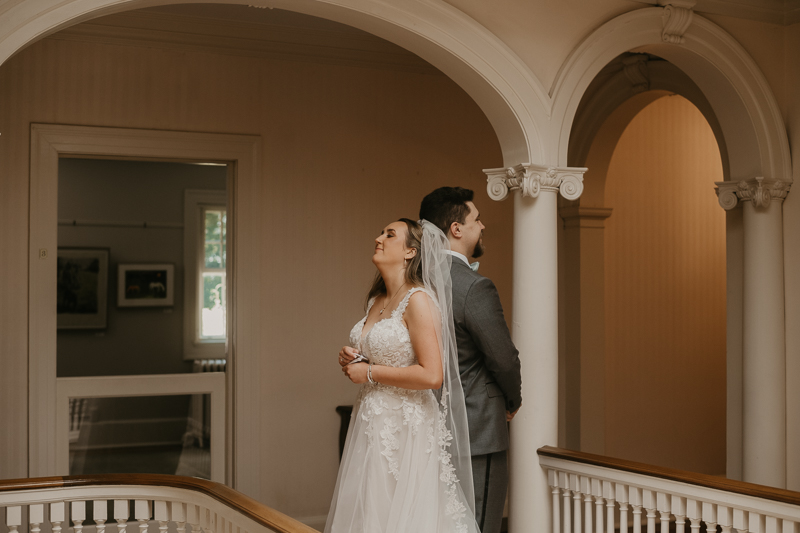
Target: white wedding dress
[396,475]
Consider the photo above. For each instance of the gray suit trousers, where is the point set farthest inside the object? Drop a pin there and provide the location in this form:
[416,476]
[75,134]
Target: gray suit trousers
[490,476]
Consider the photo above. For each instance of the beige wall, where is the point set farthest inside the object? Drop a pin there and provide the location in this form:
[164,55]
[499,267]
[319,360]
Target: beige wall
[665,292]
[345,151]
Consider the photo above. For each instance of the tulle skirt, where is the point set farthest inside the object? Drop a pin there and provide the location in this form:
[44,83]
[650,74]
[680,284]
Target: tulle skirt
[394,475]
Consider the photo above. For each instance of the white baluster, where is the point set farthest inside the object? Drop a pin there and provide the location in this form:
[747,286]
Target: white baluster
[141,509]
[757,523]
[710,517]
[679,510]
[78,515]
[636,503]
[193,517]
[694,513]
[574,485]
[13,518]
[621,491]
[57,515]
[563,481]
[788,527]
[161,515]
[552,477]
[663,507]
[741,521]
[100,515]
[178,515]
[725,518]
[121,514]
[586,489]
[649,503]
[608,494]
[36,517]
[773,525]
[599,502]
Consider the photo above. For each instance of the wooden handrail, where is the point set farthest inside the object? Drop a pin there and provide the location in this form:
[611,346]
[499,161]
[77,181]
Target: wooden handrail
[672,474]
[249,507]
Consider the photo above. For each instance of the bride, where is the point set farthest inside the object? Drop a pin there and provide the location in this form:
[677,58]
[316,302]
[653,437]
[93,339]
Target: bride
[406,463]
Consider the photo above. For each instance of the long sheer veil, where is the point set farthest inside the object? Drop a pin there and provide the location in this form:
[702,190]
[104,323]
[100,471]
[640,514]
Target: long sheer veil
[456,460]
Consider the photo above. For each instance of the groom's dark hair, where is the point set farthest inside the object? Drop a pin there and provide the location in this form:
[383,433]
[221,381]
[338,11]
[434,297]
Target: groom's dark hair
[446,205]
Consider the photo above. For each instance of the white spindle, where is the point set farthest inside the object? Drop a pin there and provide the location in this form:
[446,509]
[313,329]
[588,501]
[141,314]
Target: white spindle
[161,515]
[552,477]
[608,494]
[563,481]
[622,498]
[663,507]
[121,514]
[710,517]
[725,518]
[57,515]
[178,515]
[757,523]
[574,484]
[788,527]
[142,513]
[650,505]
[100,514]
[773,525]
[599,502]
[694,512]
[679,510]
[193,517]
[78,512]
[586,489]
[36,517]
[636,503]
[741,521]
[13,518]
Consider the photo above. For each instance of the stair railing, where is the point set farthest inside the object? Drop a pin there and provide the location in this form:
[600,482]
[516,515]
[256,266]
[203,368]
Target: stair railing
[135,503]
[597,494]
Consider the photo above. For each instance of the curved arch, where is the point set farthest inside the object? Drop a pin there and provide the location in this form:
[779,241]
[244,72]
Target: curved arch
[737,91]
[499,82]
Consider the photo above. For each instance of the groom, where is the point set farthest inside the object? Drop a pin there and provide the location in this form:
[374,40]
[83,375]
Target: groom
[488,361]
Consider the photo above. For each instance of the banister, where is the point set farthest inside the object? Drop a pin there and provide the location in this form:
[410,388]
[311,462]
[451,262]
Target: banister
[249,507]
[672,474]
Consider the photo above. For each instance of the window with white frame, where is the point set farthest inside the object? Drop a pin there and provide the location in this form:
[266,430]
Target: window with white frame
[205,260]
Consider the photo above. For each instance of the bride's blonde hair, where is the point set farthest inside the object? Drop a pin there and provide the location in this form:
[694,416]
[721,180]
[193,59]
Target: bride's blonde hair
[414,266]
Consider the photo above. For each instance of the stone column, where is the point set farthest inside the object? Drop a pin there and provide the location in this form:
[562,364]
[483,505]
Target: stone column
[535,328]
[763,327]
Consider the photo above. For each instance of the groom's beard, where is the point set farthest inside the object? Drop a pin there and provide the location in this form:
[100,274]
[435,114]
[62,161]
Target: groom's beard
[478,251]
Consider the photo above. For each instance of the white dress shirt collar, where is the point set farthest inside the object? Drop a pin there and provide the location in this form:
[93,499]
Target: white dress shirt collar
[460,256]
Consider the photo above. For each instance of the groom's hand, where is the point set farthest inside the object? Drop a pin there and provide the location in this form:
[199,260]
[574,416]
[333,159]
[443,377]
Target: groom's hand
[347,354]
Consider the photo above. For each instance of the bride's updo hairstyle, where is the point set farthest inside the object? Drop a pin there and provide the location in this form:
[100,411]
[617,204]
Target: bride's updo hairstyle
[414,265]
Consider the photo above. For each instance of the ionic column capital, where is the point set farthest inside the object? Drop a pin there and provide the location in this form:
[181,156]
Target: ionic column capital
[760,191]
[531,179]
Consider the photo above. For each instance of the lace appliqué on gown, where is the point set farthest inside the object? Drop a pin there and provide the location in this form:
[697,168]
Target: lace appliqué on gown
[396,475]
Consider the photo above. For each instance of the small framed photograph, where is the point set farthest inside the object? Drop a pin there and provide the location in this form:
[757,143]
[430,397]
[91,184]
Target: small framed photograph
[82,288]
[146,285]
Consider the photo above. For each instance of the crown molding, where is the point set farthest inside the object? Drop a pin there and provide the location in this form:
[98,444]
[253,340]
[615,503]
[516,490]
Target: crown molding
[781,12]
[346,46]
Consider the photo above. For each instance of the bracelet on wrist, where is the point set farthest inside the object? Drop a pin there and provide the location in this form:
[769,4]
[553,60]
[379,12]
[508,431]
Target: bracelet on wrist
[369,375]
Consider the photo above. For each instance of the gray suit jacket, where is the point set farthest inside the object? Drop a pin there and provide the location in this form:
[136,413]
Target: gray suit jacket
[487,359]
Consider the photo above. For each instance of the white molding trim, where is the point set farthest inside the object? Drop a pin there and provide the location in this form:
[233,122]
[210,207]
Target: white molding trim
[212,383]
[253,39]
[503,86]
[243,153]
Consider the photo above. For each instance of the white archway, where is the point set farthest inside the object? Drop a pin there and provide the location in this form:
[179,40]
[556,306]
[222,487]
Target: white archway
[500,83]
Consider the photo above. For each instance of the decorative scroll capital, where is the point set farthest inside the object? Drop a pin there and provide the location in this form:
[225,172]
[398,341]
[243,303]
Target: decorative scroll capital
[760,191]
[635,68]
[677,18]
[530,179]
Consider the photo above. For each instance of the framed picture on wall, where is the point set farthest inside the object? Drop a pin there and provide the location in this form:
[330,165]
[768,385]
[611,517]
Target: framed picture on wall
[82,288]
[151,285]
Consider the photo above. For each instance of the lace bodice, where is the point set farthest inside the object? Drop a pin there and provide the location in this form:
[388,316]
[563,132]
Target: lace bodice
[387,342]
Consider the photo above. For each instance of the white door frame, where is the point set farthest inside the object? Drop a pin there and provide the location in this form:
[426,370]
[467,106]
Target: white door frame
[242,153]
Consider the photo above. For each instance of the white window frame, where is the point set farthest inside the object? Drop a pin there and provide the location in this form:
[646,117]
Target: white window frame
[195,201]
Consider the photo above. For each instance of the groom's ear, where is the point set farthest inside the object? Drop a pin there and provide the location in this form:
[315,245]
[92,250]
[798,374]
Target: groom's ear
[455,230]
